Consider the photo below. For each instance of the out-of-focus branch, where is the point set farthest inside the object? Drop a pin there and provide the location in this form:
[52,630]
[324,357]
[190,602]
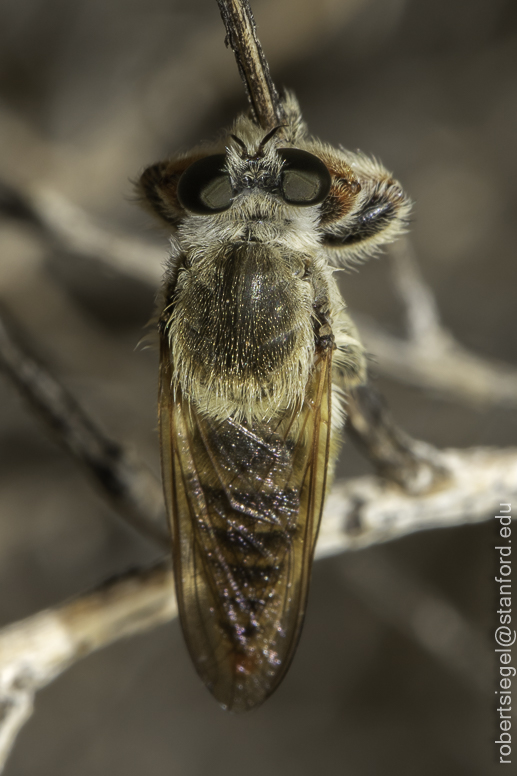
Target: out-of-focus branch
[358,513]
[451,370]
[35,651]
[403,601]
[128,485]
[65,226]
[431,358]
[422,315]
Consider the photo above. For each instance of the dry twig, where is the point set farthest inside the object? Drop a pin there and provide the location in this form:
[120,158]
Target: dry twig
[241,36]
[35,651]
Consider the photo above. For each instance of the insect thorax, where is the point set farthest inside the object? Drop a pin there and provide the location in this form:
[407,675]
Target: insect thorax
[240,312]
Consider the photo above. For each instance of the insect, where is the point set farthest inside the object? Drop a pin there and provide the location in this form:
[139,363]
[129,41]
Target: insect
[257,353]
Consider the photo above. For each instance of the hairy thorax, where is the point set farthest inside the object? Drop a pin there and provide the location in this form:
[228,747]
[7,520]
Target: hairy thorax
[242,314]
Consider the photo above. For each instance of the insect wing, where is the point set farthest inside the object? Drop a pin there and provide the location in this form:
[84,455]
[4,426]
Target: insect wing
[245,502]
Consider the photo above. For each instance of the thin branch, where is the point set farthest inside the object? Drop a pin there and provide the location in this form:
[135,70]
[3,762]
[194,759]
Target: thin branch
[129,486]
[65,226]
[452,371]
[422,315]
[241,36]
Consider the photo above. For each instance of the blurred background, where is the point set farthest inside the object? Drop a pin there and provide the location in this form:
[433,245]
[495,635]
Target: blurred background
[90,93]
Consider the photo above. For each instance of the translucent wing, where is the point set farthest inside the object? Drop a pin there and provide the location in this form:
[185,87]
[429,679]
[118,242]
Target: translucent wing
[245,502]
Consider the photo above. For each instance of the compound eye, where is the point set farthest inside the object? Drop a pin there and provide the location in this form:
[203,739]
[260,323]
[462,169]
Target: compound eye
[205,186]
[304,179]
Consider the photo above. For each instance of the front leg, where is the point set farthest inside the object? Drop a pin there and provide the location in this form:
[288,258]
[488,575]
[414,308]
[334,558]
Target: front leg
[349,360]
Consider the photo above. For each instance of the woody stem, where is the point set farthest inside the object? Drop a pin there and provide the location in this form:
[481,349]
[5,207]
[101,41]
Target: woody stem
[241,36]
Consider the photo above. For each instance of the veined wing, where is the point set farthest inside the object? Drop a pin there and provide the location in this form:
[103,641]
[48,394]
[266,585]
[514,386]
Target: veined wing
[245,502]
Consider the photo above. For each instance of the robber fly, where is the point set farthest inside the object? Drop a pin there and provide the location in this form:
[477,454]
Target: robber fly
[257,353]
